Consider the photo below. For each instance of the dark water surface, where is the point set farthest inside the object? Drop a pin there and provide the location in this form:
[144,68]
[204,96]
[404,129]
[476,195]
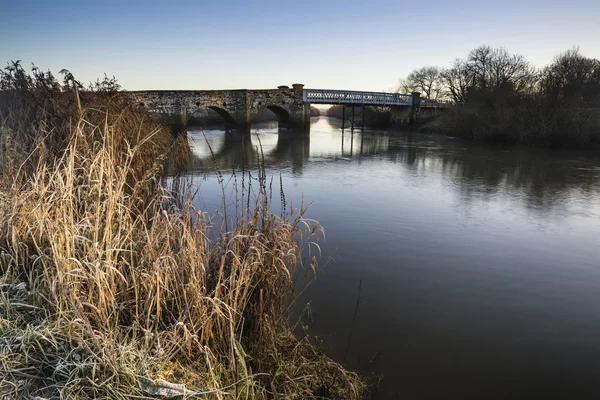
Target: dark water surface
[480,265]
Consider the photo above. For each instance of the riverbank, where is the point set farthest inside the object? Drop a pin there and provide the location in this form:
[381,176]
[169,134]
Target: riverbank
[110,286]
[531,122]
[533,125]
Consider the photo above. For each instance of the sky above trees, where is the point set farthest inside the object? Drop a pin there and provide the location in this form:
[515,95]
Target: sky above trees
[356,45]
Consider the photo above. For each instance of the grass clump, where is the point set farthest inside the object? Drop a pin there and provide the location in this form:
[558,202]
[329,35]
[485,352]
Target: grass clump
[110,286]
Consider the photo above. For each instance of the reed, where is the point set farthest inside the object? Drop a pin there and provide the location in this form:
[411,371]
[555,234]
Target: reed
[112,285]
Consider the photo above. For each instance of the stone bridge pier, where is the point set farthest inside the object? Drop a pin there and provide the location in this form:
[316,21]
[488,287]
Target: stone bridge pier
[178,108]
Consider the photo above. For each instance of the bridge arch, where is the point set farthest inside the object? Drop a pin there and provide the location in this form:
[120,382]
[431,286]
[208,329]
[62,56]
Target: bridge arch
[227,117]
[284,117]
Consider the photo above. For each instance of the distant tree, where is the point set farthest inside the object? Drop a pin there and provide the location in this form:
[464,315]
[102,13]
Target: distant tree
[495,71]
[571,76]
[506,99]
[426,80]
[405,86]
[457,80]
[487,73]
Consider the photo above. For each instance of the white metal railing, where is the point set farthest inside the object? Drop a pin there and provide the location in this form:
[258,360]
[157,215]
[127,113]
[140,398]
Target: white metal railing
[324,96]
[320,96]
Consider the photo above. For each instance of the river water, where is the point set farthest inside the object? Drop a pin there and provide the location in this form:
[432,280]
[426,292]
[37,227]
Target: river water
[478,265]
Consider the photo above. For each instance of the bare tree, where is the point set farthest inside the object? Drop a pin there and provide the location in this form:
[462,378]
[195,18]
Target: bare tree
[479,62]
[496,70]
[426,80]
[457,80]
[405,86]
[571,76]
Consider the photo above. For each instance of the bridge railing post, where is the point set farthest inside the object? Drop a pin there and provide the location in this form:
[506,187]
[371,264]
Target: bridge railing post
[415,104]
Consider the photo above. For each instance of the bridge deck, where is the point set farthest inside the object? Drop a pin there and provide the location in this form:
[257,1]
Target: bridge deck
[324,96]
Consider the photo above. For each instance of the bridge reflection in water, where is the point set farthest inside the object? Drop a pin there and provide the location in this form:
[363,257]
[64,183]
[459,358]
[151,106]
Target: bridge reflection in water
[473,170]
[280,149]
[234,151]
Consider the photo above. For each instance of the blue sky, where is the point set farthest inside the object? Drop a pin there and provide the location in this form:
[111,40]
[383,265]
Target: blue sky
[219,44]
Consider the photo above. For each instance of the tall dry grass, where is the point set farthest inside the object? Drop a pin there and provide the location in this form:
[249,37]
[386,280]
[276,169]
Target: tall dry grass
[111,288]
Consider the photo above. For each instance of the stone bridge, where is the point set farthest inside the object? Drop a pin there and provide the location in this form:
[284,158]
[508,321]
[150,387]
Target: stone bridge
[291,106]
[178,108]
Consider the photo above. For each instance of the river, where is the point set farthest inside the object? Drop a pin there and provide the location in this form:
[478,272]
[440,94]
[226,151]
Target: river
[478,265]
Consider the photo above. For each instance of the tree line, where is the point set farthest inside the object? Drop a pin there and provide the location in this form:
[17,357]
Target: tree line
[489,71]
[504,97]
